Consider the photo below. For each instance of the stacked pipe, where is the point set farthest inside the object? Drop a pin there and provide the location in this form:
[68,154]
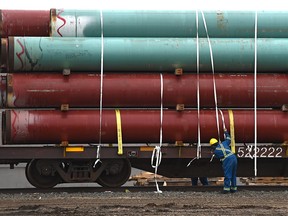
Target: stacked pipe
[133,60]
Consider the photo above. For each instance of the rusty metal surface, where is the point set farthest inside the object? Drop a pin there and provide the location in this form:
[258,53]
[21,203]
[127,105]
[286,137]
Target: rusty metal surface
[10,58]
[4,53]
[3,91]
[143,90]
[139,126]
[25,23]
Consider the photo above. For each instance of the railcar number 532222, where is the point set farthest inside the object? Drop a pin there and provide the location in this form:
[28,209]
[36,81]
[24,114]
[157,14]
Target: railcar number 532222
[248,151]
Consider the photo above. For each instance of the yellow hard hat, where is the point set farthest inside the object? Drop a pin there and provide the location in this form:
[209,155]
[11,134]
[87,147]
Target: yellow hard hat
[213,141]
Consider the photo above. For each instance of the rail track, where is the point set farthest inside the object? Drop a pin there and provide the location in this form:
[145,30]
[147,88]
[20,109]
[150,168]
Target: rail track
[266,188]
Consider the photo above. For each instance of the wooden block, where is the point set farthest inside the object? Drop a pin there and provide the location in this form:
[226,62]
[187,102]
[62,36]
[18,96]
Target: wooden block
[66,72]
[178,71]
[64,107]
[64,144]
[180,107]
[179,143]
[265,181]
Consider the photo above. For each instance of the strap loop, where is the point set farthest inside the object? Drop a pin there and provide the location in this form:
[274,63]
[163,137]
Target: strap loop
[97,156]
[158,155]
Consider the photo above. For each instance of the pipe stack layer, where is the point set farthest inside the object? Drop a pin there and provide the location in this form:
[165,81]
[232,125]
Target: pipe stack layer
[55,61]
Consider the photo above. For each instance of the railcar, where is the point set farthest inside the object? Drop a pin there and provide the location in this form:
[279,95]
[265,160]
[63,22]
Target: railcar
[72,117]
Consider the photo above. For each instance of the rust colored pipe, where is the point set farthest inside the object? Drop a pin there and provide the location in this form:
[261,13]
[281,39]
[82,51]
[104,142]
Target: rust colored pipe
[142,90]
[24,23]
[139,126]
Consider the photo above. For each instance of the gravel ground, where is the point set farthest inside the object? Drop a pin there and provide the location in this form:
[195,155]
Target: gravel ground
[146,203]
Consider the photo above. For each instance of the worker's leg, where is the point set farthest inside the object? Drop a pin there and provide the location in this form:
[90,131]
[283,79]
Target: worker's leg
[227,168]
[204,180]
[234,174]
[194,181]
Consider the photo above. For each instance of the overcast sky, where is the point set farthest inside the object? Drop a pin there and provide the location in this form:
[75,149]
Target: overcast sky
[147,4]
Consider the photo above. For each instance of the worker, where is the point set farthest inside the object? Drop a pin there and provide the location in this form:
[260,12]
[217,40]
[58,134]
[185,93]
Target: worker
[203,180]
[229,161]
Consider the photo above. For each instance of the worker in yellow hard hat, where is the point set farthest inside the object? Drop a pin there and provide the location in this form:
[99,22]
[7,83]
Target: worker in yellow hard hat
[229,161]
[213,141]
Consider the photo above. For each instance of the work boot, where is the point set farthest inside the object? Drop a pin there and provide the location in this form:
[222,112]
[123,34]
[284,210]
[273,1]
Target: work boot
[225,192]
[233,191]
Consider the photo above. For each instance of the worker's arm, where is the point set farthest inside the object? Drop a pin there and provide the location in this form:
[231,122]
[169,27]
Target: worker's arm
[227,135]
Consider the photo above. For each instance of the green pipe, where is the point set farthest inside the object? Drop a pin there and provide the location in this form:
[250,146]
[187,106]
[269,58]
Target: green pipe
[144,54]
[167,23]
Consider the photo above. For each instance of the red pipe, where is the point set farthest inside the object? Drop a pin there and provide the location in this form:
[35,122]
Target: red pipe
[24,23]
[143,90]
[139,126]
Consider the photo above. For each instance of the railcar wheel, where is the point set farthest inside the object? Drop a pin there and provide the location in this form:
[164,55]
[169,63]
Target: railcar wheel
[41,174]
[116,173]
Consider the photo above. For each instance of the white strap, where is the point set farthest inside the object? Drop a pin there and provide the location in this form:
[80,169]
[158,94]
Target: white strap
[191,161]
[161,109]
[222,116]
[223,121]
[255,95]
[158,155]
[97,156]
[198,88]
[101,92]
[198,154]
[101,78]
[213,72]
[157,149]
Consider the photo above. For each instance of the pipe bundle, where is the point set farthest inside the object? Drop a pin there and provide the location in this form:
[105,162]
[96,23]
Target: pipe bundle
[139,48]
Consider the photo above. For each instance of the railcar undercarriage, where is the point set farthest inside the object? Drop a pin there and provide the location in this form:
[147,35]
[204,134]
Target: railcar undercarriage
[49,166]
